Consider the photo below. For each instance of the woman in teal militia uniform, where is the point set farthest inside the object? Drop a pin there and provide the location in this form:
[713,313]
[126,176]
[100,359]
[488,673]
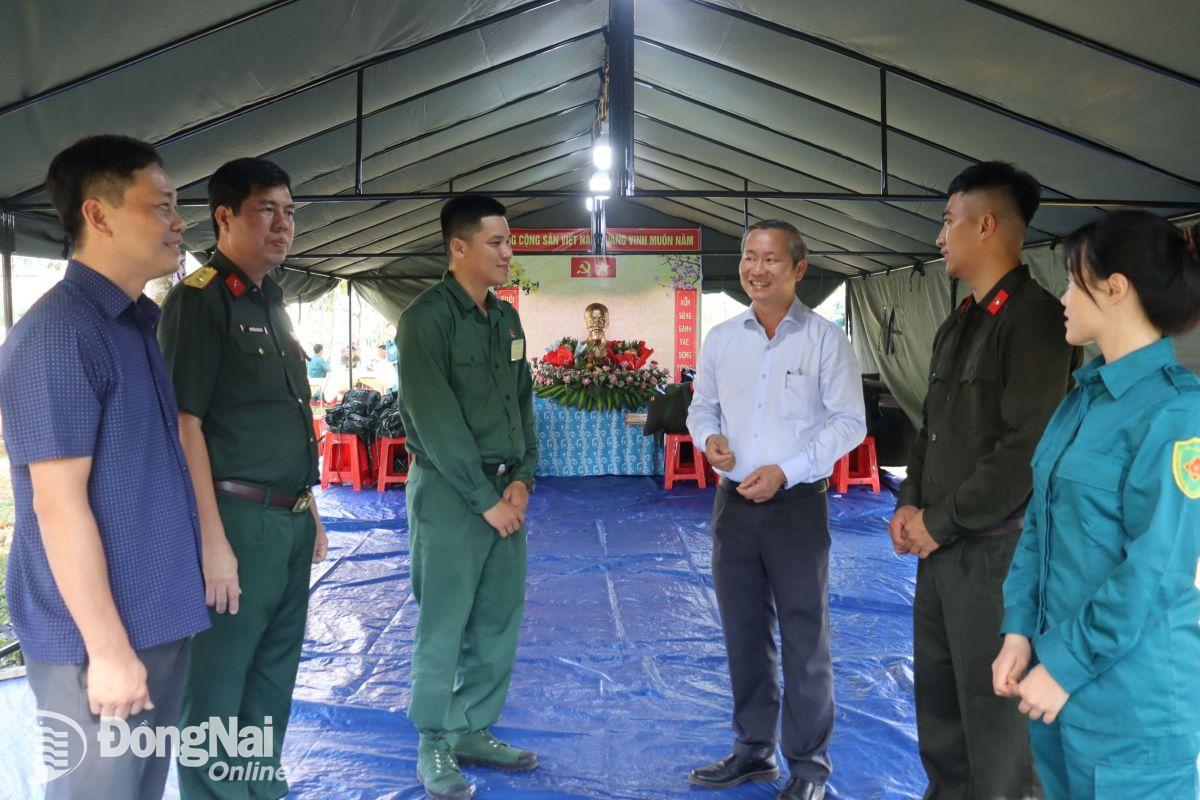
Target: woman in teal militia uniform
[1103,595]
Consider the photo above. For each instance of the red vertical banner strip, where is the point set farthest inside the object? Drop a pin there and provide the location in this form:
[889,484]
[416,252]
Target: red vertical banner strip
[511,295]
[687,329]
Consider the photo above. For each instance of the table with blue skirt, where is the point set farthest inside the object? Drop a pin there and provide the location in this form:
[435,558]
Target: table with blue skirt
[575,443]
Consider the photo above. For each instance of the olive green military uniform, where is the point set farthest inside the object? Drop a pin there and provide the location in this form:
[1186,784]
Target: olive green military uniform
[999,369]
[467,400]
[237,366]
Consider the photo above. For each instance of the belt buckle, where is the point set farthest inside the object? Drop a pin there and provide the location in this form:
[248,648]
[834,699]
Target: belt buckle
[503,468]
[303,501]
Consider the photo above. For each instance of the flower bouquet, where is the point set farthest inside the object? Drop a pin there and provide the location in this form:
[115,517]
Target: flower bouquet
[621,380]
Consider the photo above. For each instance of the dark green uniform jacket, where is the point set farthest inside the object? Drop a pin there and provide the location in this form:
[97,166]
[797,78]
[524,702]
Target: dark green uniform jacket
[466,391]
[999,369]
[237,366]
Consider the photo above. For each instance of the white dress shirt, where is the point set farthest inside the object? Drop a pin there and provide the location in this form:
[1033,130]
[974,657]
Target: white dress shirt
[795,400]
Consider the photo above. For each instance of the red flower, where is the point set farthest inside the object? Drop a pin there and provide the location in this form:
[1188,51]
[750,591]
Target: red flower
[562,357]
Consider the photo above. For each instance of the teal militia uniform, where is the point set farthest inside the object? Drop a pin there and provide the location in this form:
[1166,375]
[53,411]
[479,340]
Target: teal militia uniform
[236,365]
[1106,581]
[467,403]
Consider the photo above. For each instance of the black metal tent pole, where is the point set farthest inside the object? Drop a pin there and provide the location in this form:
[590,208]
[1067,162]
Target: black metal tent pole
[143,56]
[958,94]
[358,134]
[8,245]
[442,254]
[1079,39]
[883,131]
[350,330]
[580,194]
[620,94]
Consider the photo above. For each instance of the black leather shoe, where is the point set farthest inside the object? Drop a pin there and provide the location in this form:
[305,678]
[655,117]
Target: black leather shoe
[797,789]
[734,770]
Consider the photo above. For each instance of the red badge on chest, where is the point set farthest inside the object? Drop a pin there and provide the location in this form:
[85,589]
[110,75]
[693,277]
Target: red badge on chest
[235,284]
[997,302]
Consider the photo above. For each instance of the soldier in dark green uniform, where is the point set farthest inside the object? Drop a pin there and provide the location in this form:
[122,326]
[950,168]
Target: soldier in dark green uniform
[248,438]
[467,403]
[1000,367]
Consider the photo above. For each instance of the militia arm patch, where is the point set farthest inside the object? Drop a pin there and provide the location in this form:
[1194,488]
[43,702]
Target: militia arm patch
[1185,466]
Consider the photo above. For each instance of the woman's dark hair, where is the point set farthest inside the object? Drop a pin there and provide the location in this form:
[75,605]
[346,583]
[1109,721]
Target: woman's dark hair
[1161,262]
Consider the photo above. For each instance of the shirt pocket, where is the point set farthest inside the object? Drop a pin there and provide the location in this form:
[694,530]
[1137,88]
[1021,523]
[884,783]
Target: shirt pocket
[470,376]
[1088,485]
[257,364]
[801,397]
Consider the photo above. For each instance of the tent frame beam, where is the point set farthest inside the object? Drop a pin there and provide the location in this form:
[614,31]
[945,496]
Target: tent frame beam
[950,91]
[1100,47]
[580,194]
[450,192]
[434,90]
[786,211]
[823,103]
[746,187]
[75,83]
[335,75]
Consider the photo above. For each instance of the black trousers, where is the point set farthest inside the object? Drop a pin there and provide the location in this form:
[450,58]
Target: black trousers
[974,745]
[771,566]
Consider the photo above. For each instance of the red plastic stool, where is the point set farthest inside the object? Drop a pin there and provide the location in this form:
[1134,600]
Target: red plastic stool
[385,458]
[680,470]
[859,467]
[344,460]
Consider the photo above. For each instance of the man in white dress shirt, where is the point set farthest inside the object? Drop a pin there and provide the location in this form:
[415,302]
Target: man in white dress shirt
[778,400]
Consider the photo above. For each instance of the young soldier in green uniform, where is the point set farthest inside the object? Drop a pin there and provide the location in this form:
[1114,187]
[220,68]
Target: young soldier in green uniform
[467,404]
[1102,602]
[999,368]
[247,435]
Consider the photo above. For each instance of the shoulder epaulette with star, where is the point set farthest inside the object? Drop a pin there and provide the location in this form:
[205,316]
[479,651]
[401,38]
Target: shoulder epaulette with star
[200,278]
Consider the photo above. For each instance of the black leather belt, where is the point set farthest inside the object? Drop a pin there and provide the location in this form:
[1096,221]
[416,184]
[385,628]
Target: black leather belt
[296,503]
[502,468]
[799,490]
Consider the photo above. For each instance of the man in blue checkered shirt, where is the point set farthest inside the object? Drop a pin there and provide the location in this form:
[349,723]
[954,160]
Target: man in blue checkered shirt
[104,579]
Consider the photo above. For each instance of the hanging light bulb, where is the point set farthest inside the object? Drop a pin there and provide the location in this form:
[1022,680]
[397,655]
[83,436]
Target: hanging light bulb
[600,184]
[602,153]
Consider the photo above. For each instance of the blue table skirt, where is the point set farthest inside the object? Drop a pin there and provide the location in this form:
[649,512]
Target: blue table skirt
[574,443]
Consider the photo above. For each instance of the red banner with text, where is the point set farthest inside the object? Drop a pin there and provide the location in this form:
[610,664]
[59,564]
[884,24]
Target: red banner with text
[687,323]
[616,240]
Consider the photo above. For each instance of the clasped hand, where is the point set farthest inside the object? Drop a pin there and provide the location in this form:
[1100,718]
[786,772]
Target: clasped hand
[909,534]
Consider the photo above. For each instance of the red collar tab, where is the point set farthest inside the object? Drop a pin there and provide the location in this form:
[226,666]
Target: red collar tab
[962,309]
[235,284]
[997,302]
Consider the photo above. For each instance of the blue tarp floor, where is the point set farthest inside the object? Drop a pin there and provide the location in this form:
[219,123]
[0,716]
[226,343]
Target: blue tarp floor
[620,682]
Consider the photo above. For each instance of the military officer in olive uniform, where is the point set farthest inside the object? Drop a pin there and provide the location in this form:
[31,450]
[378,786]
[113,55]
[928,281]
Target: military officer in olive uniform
[247,435]
[467,404]
[1000,367]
